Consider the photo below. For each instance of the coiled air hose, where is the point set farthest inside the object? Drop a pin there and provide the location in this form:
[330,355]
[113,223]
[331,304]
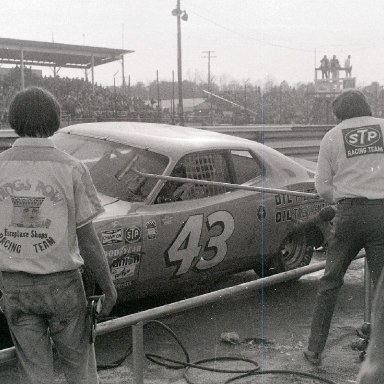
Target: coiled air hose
[178,364]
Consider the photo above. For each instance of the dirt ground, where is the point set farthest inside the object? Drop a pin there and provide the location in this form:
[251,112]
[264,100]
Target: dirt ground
[272,326]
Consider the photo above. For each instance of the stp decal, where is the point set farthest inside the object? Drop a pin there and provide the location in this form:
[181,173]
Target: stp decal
[133,235]
[186,247]
[363,140]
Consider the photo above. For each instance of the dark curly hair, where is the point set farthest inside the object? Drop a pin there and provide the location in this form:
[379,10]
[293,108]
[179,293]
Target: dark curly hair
[34,112]
[351,103]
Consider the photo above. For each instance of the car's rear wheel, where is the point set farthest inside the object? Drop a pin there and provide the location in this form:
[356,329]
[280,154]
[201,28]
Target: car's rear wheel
[294,252]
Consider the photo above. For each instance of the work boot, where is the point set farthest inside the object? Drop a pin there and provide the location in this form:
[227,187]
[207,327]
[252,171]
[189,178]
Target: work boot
[313,357]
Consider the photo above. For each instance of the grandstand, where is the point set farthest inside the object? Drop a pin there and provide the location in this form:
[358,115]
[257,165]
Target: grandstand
[56,55]
[75,95]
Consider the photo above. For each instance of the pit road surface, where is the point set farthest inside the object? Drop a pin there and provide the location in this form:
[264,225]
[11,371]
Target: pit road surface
[272,324]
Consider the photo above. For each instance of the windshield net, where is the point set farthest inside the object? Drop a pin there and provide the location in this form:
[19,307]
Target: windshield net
[112,165]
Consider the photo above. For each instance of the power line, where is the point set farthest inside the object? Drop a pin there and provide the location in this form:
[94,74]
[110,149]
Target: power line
[250,37]
[349,45]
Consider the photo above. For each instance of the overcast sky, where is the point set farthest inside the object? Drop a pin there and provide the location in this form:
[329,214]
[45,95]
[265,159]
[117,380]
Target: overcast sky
[250,39]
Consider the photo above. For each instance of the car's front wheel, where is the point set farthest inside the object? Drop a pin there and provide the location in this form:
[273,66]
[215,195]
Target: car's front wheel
[294,252]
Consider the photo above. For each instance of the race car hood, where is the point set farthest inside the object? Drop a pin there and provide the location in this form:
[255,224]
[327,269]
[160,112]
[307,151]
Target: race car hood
[113,207]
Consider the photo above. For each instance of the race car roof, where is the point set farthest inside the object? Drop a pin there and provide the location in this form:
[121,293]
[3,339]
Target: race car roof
[55,54]
[161,138]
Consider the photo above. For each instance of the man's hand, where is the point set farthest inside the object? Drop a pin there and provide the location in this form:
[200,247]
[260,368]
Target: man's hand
[94,259]
[108,303]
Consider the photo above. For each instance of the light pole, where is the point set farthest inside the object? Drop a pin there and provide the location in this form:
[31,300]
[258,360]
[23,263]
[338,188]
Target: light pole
[245,101]
[183,15]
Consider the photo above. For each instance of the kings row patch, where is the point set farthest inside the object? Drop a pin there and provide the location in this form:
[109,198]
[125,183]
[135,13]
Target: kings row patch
[363,140]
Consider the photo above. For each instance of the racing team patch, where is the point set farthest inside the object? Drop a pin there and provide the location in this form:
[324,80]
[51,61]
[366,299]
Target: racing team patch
[363,140]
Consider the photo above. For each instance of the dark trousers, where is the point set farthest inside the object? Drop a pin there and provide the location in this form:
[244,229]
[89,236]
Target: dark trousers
[358,224]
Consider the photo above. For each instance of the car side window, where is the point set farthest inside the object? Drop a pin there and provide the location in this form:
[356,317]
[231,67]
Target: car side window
[211,166]
[246,167]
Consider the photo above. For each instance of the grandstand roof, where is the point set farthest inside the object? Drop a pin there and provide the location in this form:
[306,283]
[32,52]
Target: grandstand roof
[56,54]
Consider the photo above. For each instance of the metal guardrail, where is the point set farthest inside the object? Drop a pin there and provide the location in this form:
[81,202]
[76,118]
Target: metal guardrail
[137,320]
[7,137]
[291,140]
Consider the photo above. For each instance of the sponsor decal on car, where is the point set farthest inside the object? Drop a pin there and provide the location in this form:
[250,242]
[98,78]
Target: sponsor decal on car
[166,220]
[291,208]
[151,229]
[297,213]
[133,235]
[122,285]
[123,251]
[125,267]
[112,237]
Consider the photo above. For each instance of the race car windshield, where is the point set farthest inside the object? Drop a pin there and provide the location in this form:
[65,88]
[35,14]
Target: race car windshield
[112,165]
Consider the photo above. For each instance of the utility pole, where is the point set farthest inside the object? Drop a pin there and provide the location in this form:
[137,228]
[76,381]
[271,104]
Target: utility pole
[209,57]
[173,98]
[158,95]
[158,88]
[122,60]
[183,15]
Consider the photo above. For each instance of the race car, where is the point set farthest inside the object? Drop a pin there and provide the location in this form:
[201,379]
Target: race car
[186,206]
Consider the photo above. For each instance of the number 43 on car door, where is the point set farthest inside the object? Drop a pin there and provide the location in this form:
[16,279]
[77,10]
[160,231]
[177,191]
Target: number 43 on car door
[187,246]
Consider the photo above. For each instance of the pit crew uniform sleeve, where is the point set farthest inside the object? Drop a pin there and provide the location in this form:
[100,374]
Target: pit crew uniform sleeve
[87,203]
[324,174]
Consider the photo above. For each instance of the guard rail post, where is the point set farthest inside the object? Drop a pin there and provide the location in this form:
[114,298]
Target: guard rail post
[138,352]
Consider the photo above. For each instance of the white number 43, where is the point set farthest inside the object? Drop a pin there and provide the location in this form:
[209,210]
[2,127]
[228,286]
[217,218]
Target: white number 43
[186,247]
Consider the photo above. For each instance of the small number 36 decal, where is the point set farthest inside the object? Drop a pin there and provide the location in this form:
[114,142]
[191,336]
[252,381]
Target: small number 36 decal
[186,247]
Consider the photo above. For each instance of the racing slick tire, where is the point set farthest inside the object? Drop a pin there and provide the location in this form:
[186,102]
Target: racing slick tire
[294,252]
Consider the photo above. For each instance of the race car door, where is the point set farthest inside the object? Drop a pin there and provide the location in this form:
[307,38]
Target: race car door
[192,231]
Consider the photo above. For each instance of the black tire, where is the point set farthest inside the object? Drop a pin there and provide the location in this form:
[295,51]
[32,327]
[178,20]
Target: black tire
[294,252]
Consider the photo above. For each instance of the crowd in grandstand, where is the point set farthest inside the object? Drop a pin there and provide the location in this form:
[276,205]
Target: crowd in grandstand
[270,104]
[78,99]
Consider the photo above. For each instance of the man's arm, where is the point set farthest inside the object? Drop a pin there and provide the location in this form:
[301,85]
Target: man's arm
[92,252]
[324,175]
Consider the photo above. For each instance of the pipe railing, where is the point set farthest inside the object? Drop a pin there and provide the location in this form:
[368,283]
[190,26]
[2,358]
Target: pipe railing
[226,185]
[137,320]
